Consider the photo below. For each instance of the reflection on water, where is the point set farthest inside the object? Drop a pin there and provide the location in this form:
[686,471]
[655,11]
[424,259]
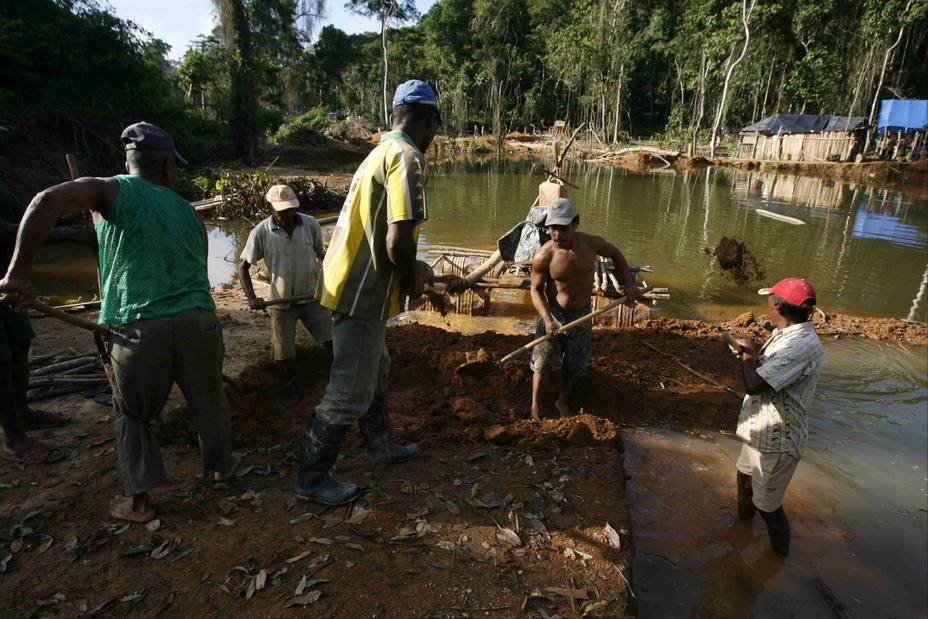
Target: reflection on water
[863,248]
[666,219]
[858,504]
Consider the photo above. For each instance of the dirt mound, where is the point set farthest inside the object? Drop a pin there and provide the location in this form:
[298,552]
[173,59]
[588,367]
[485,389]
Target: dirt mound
[582,430]
[735,259]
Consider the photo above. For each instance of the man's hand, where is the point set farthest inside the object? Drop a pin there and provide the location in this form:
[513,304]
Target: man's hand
[453,284]
[634,294]
[422,274]
[745,347]
[256,303]
[551,327]
[17,292]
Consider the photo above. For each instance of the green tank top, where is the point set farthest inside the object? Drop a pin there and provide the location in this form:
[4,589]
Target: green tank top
[152,255]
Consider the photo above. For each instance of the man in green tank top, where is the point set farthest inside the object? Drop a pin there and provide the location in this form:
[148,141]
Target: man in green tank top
[155,297]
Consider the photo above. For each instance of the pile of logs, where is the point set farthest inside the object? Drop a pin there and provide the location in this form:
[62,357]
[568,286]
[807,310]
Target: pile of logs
[63,373]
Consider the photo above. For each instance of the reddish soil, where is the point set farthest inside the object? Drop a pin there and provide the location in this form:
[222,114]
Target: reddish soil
[432,544]
[907,177]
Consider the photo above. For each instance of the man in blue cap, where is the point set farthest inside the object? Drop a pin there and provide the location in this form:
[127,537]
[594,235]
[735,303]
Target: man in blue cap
[370,266]
[163,325]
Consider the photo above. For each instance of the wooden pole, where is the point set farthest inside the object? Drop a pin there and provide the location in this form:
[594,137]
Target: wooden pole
[72,166]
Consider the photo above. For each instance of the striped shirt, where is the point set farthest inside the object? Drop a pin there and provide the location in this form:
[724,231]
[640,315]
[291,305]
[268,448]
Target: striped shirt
[358,277]
[776,420]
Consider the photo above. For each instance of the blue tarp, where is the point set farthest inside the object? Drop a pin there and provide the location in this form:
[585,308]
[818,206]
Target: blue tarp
[902,114]
[886,227]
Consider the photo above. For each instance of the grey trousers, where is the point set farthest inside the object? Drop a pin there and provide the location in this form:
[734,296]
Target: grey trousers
[360,370]
[149,356]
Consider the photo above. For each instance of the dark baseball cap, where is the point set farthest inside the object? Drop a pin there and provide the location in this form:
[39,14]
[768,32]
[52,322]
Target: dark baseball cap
[146,136]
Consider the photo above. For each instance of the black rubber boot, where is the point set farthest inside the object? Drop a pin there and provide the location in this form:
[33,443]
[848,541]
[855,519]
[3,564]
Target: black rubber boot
[746,508]
[778,530]
[321,444]
[375,430]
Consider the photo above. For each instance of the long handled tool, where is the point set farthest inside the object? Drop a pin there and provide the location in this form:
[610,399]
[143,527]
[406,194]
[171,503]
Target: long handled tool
[297,299]
[692,371]
[99,332]
[48,310]
[481,368]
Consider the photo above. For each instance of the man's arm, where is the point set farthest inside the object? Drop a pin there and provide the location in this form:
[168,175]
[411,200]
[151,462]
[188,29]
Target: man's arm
[754,384]
[96,194]
[401,248]
[540,277]
[254,251]
[318,241]
[405,210]
[607,250]
[244,276]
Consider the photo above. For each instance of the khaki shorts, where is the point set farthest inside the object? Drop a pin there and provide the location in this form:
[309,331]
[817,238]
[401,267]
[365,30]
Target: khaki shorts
[770,475]
[316,319]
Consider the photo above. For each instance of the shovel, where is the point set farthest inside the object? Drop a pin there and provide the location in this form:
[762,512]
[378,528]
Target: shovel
[483,368]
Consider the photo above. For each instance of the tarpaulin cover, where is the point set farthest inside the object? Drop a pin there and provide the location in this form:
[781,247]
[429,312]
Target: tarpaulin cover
[525,238]
[896,114]
[805,123]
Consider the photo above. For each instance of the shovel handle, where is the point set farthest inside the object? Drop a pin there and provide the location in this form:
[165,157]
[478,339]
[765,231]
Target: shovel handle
[569,326]
[297,299]
[48,310]
[731,341]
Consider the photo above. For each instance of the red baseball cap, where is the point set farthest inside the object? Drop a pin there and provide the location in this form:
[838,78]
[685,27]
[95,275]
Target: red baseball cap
[793,290]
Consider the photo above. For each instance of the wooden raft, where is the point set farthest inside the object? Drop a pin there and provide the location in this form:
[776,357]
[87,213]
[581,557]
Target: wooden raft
[450,260]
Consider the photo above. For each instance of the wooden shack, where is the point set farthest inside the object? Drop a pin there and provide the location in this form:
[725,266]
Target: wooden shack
[803,137]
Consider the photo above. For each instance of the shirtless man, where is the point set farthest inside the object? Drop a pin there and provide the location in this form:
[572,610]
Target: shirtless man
[562,278]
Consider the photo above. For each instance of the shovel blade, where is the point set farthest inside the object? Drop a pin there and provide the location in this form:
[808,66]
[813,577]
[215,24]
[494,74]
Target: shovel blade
[477,368]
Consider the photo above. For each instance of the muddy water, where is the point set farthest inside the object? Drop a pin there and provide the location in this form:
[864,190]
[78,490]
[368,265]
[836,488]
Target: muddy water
[858,505]
[865,249]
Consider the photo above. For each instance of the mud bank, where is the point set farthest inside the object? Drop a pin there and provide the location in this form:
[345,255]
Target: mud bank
[428,538]
[907,177]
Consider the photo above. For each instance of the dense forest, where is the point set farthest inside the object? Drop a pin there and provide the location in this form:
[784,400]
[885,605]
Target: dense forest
[677,69]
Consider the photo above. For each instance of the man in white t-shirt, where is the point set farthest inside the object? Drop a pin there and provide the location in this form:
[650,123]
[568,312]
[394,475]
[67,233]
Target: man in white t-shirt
[780,381]
[291,245]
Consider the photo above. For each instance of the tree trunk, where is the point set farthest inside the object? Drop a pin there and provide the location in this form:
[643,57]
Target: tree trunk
[384,68]
[618,103]
[244,113]
[720,113]
[879,86]
[763,107]
[701,106]
[857,86]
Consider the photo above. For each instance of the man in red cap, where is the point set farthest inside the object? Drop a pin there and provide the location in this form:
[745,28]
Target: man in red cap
[780,381]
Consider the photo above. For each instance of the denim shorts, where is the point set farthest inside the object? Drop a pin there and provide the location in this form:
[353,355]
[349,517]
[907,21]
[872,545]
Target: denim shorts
[573,348]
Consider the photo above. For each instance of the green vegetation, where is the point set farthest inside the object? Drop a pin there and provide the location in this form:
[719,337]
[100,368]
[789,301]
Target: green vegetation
[301,127]
[72,75]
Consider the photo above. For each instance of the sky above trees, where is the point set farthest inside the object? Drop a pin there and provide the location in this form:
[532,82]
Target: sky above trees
[179,22]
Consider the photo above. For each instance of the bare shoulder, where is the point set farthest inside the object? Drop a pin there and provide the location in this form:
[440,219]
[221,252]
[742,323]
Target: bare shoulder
[591,240]
[543,256]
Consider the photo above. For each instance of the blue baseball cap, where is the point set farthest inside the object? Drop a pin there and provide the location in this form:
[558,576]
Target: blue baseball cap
[415,91]
[146,136]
